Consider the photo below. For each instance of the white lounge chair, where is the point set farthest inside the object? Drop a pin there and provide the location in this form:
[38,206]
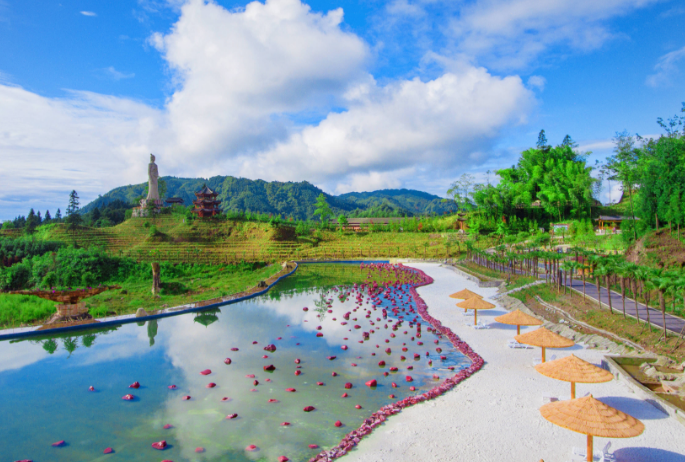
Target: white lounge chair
[602,456]
[514,344]
[482,325]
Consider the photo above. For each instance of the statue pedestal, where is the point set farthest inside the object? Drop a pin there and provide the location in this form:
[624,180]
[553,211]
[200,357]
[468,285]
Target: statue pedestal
[147,207]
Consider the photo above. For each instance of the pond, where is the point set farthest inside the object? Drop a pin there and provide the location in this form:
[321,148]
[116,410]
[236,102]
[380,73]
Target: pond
[348,334]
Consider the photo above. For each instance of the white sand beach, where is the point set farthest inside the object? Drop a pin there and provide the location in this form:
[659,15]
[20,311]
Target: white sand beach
[493,416]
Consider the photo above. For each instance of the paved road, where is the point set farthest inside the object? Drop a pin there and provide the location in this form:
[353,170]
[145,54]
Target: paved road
[673,323]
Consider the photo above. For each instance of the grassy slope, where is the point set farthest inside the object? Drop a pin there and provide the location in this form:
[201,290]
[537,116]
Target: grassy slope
[221,241]
[587,311]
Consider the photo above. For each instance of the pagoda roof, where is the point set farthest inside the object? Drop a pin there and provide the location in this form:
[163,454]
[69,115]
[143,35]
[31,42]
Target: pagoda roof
[206,191]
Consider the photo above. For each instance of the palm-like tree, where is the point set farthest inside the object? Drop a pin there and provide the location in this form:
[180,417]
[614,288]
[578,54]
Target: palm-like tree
[663,282]
[644,275]
[609,271]
[625,271]
[597,263]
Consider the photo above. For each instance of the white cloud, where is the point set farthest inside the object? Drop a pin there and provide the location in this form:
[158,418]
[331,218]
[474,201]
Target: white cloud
[243,79]
[88,13]
[510,34]
[436,125]
[666,69]
[240,71]
[114,74]
[536,81]
[85,141]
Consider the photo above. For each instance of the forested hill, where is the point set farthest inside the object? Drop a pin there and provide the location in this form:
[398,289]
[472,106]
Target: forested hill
[287,199]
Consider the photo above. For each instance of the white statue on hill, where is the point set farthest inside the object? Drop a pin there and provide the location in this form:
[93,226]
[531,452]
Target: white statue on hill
[152,203]
[153,176]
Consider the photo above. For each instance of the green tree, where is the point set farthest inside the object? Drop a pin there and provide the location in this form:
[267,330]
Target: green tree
[322,209]
[542,141]
[58,215]
[73,216]
[461,191]
[32,221]
[342,221]
[623,167]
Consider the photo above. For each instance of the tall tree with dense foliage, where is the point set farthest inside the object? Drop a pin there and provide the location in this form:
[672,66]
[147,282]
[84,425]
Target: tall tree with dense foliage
[32,222]
[322,209]
[557,176]
[73,215]
[652,172]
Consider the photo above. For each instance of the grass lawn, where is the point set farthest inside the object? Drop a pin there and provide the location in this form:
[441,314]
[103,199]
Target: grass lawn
[203,283]
[208,282]
[16,310]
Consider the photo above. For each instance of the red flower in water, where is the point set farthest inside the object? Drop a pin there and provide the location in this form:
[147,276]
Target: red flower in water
[159,445]
[309,409]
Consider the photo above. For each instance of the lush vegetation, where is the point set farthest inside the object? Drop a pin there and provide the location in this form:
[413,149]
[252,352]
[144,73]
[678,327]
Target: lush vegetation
[287,199]
[652,173]
[547,183]
[24,309]
[15,250]
[70,267]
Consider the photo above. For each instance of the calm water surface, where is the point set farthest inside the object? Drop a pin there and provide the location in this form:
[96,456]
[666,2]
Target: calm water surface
[45,396]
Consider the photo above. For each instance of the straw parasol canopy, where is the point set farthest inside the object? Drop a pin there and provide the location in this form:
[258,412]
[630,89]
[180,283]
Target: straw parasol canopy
[573,369]
[465,294]
[592,418]
[518,318]
[544,338]
[475,303]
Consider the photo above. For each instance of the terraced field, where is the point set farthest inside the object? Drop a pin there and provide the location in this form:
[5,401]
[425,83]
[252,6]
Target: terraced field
[208,241]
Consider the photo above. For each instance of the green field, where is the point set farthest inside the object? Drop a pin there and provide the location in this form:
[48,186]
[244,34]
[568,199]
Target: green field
[173,239]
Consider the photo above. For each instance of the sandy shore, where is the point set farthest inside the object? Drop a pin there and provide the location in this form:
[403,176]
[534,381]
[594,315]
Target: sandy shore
[493,416]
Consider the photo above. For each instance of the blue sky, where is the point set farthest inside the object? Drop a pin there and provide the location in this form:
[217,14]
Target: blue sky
[349,95]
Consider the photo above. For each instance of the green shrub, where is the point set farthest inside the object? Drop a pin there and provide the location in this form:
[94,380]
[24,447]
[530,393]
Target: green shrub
[18,309]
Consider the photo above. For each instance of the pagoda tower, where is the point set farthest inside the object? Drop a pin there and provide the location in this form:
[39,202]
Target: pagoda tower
[206,204]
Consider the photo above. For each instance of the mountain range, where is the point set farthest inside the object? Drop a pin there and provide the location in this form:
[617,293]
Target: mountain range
[288,199]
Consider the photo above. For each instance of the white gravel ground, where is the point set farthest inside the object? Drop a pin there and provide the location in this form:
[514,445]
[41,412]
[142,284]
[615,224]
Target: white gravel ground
[493,416]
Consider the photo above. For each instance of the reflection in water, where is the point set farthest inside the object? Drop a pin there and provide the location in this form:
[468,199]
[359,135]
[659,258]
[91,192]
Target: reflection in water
[152,330]
[48,400]
[207,317]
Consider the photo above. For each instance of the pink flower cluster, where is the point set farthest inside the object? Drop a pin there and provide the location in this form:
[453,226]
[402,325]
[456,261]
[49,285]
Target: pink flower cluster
[354,437]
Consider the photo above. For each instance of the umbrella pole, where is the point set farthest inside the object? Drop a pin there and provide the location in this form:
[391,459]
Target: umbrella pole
[475,317]
[589,449]
[573,390]
[543,354]
[518,330]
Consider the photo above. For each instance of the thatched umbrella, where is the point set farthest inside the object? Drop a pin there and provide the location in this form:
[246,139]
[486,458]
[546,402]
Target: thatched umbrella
[475,303]
[544,338]
[465,295]
[518,318]
[573,369]
[592,418]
